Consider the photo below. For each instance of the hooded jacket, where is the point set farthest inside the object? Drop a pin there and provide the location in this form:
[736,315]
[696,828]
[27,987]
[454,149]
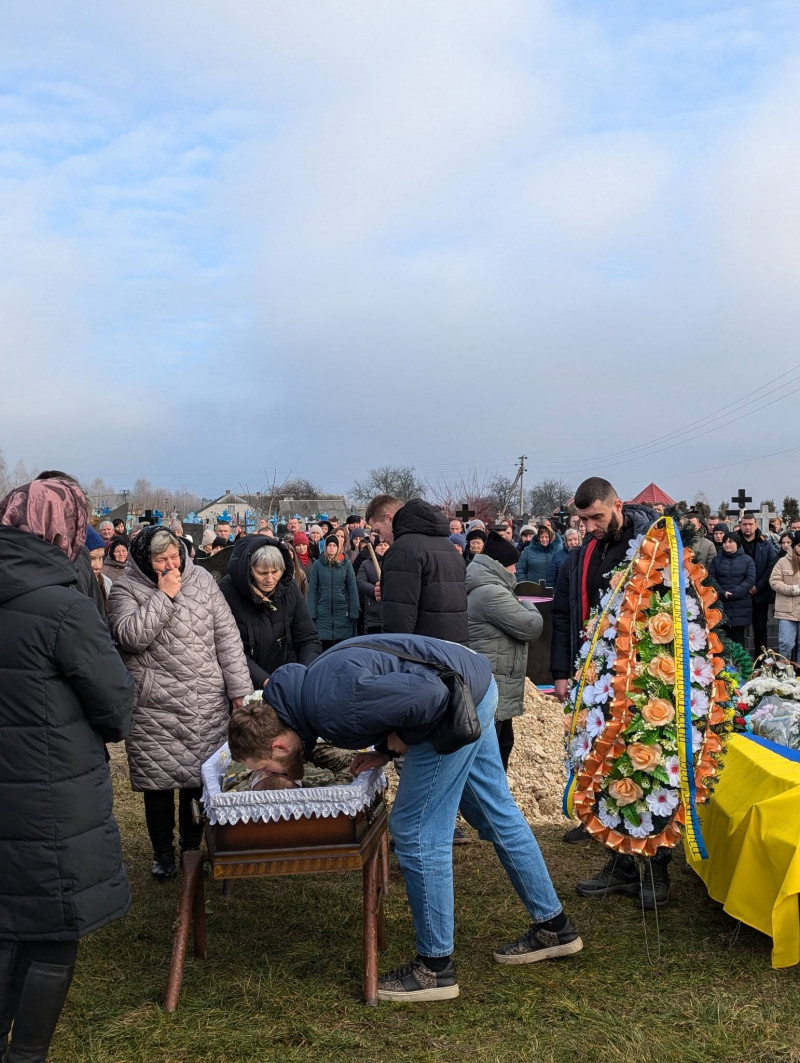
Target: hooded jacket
[538,563]
[422,577]
[783,580]
[567,609]
[355,696]
[500,627]
[63,692]
[333,598]
[186,657]
[735,573]
[271,635]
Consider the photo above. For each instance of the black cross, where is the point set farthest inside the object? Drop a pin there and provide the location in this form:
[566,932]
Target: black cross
[464,513]
[742,498]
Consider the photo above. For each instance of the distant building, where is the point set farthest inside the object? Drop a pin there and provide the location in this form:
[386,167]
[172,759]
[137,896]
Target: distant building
[234,505]
[308,509]
[652,495]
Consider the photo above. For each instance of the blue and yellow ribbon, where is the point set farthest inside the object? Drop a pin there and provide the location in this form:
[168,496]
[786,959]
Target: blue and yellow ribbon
[682,692]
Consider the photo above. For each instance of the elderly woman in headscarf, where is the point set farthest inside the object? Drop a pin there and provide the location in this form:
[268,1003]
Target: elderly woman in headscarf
[64,692]
[180,643]
[269,608]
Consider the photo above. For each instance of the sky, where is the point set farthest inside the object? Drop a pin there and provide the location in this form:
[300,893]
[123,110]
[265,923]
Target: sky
[259,239]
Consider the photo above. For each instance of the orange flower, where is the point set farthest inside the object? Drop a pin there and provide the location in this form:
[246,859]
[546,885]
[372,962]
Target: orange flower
[590,673]
[662,668]
[644,758]
[658,712]
[661,629]
[614,581]
[625,791]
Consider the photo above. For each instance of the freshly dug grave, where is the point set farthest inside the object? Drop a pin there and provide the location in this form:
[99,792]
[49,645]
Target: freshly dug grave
[536,770]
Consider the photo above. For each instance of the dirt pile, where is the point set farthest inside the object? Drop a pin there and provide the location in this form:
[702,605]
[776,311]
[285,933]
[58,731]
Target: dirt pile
[536,771]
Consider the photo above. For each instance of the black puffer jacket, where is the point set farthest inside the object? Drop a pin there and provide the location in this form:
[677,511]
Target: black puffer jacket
[271,637]
[734,574]
[423,588]
[63,692]
[567,611]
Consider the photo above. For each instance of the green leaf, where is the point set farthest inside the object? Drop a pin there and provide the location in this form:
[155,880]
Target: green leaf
[630,814]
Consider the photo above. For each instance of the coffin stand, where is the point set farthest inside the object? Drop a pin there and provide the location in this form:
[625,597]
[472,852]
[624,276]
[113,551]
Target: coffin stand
[304,846]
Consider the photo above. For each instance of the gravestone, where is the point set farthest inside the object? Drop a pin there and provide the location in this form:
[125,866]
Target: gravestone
[195,531]
[120,513]
[216,564]
[538,669]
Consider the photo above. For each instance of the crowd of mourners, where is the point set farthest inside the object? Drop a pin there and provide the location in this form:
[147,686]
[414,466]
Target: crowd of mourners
[124,633]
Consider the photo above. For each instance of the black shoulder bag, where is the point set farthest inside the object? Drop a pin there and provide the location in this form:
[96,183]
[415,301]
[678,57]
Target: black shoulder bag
[459,726]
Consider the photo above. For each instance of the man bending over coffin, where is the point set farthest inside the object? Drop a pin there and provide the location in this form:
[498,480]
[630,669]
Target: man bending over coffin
[359,694]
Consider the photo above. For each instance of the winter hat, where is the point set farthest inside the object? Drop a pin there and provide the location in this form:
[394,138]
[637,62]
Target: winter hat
[473,524]
[333,539]
[219,541]
[357,533]
[721,527]
[459,539]
[527,529]
[300,539]
[315,528]
[795,538]
[500,549]
[94,541]
[208,537]
[475,533]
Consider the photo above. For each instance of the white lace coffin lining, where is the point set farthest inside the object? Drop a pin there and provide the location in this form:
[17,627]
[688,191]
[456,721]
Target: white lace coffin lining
[273,805]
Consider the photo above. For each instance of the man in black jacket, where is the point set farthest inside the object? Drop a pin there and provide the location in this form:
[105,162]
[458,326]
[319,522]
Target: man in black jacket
[764,557]
[422,584]
[582,581]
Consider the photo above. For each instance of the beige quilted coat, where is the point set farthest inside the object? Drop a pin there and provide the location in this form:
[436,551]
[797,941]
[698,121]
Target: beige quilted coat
[187,660]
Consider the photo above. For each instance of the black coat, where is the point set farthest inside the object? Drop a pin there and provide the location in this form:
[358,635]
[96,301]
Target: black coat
[764,556]
[566,610]
[271,637]
[366,578]
[64,691]
[735,573]
[423,589]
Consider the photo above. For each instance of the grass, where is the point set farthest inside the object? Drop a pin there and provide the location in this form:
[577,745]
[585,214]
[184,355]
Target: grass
[282,981]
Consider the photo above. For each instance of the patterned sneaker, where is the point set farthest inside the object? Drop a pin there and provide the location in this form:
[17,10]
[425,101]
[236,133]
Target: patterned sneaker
[416,982]
[541,944]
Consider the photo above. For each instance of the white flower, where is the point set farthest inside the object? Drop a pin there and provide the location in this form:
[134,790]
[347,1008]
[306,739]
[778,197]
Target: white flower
[645,826]
[699,703]
[602,689]
[587,697]
[606,598]
[606,816]
[672,764]
[611,631]
[584,651]
[633,546]
[662,802]
[579,747]
[692,608]
[701,671]
[697,638]
[697,739]
[595,722]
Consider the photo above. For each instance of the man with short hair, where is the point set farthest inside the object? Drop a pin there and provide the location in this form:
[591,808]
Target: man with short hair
[222,529]
[106,530]
[764,556]
[506,529]
[360,694]
[293,526]
[422,585]
[456,527]
[583,578]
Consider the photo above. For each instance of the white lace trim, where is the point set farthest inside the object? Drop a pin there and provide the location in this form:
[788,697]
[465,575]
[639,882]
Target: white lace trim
[274,805]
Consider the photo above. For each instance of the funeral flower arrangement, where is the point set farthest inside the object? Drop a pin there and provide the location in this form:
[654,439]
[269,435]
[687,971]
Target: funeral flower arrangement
[653,700]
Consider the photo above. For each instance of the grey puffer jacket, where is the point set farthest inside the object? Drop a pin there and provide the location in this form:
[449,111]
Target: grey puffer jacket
[187,660]
[500,627]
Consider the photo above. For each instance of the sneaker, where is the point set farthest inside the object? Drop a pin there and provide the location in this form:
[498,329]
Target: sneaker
[618,875]
[541,944]
[459,837]
[577,835]
[416,982]
[164,868]
[654,892]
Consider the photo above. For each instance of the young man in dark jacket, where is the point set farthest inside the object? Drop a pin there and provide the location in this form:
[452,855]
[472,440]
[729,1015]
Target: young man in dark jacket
[582,581]
[763,555]
[359,694]
[422,584]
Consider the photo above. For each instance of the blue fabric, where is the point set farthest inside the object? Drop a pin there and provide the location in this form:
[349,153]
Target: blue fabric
[782,751]
[431,789]
[355,697]
[789,639]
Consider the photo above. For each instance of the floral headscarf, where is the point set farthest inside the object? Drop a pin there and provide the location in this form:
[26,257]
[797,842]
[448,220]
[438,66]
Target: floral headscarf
[53,510]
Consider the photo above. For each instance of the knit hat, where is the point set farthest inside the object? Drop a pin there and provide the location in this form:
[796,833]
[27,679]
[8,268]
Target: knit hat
[500,549]
[473,524]
[459,539]
[299,539]
[527,529]
[332,539]
[315,528]
[357,533]
[94,541]
[208,537]
[475,533]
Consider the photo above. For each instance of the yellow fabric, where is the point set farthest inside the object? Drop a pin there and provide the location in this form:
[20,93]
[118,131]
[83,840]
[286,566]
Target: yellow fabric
[751,827]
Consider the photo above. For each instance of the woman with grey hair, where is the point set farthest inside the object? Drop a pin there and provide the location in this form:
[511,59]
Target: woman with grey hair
[269,607]
[179,642]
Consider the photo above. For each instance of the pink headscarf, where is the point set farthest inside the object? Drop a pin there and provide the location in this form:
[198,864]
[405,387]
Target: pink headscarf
[53,510]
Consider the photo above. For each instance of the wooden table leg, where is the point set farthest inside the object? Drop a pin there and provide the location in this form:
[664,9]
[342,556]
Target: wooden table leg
[192,869]
[371,873]
[199,916]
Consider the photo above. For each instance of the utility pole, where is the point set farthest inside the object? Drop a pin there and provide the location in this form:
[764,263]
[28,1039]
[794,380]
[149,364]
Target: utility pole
[522,470]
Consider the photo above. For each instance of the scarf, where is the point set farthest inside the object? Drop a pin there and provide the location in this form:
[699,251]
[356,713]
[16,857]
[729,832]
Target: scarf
[53,510]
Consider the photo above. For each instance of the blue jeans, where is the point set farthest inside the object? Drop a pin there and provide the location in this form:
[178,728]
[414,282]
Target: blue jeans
[431,789]
[789,639]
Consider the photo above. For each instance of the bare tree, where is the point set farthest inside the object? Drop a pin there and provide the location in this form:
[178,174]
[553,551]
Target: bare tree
[470,490]
[397,480]
[548,496]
